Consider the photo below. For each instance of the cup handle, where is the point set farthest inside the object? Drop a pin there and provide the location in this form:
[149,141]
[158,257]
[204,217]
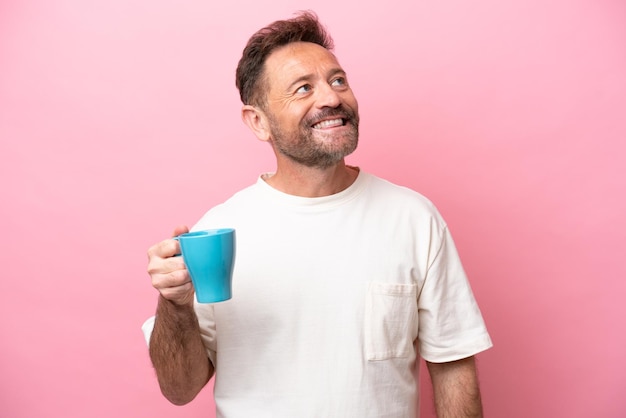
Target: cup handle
[177,239]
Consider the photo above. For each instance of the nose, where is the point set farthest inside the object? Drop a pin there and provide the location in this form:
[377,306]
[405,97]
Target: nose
[327,96]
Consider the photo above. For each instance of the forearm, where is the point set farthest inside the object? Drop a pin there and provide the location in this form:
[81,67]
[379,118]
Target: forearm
[177,352]
[456,389]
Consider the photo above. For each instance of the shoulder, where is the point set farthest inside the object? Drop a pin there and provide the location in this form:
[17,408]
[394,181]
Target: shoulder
[229,210]
[395,196]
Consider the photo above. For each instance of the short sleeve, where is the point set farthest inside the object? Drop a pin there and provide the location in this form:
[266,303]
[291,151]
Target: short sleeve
[147,328]
[451,326]
[208,331]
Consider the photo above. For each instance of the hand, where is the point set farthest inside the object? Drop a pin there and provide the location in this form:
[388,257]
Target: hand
[168,273]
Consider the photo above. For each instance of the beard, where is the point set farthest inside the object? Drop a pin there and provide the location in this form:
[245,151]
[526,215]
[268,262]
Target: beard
[302,146]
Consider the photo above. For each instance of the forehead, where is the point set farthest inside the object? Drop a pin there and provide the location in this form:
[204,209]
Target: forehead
[299,59]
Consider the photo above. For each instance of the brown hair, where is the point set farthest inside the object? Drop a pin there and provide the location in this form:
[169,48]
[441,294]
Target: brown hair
[305,27]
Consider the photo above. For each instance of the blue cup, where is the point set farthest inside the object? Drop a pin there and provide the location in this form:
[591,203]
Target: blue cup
[210,258]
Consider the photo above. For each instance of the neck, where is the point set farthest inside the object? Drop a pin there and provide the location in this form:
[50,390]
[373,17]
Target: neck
[303,181]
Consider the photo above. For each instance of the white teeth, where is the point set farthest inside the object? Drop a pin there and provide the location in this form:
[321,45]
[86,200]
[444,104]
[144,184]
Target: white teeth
[328,123]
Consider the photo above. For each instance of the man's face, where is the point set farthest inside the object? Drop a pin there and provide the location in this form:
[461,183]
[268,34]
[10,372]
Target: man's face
[312,112]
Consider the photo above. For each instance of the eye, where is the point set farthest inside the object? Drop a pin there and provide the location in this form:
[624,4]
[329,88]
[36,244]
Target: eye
[339,81]
[304,88]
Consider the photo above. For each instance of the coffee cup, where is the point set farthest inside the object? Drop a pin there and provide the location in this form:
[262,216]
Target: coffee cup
[209,256]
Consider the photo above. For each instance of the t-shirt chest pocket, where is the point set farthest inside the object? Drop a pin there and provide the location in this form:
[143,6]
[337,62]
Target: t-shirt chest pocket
[390,320]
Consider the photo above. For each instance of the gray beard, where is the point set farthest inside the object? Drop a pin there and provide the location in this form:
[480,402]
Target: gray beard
[302,148]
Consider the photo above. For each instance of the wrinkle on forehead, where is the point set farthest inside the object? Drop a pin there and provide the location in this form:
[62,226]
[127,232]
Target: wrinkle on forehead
[299,59]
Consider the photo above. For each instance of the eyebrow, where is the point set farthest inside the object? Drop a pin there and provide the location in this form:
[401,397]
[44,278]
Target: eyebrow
[307,77]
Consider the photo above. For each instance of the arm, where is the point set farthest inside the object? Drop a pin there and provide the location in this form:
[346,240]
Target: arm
[176,347]
[455,386]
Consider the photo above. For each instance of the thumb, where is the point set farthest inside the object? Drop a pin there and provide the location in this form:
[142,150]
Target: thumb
[180,229]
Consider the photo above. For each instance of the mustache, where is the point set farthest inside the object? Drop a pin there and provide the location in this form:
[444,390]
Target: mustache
[339,112]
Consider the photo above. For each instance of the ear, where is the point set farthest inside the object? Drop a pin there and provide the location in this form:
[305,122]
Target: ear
[256,121]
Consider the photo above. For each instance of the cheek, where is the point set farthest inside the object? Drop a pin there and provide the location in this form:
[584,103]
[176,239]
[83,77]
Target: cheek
[351,101]
[355,106]
[292,111]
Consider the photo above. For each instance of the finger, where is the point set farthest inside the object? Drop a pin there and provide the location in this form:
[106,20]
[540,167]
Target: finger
[172,279]
[180,295]
[163,266]
[164,249]
[180,229]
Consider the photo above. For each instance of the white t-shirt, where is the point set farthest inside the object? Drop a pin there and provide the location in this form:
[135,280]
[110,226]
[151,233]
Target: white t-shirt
[334,299]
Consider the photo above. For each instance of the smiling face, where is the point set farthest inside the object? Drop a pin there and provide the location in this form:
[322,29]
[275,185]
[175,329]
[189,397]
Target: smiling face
[311,110]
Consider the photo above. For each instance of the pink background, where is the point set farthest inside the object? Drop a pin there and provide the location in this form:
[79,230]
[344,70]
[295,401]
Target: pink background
[119,120]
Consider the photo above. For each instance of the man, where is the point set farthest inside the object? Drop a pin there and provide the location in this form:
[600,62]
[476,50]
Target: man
[341,280]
